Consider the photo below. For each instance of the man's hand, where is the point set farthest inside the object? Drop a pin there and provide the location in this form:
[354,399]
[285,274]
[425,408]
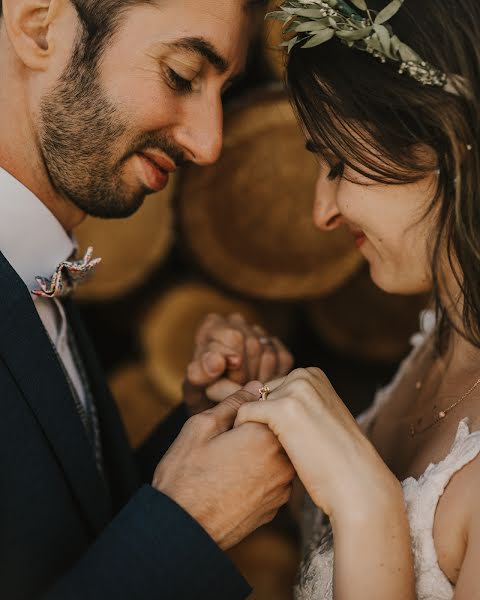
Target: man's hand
[229,352]
[229,481]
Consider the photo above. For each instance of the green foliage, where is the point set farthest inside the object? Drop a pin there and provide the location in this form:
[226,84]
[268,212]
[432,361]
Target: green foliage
[314,22]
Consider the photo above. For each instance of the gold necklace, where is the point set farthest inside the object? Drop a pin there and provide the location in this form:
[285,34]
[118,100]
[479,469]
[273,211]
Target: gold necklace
[443,413]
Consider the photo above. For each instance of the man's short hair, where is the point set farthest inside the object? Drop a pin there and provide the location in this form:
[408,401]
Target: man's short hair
[114,5]
[101,21]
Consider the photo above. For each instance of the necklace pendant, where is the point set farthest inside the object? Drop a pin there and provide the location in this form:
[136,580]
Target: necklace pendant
[442,414]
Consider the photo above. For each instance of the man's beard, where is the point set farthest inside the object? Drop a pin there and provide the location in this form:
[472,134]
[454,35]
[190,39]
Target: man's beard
[80,135]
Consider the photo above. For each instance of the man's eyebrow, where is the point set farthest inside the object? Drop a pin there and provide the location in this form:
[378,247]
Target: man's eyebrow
[203,48]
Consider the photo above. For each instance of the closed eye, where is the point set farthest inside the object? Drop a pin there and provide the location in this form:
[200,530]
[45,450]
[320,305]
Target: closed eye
[177,82]
[336,171]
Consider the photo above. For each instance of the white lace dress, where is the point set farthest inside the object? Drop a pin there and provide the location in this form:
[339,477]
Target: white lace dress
[421,499]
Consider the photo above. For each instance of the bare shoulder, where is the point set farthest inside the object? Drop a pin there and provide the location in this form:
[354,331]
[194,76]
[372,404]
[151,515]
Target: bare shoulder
[457,520]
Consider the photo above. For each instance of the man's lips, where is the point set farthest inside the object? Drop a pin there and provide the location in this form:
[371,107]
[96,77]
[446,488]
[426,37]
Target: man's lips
[154,168]
[160,160]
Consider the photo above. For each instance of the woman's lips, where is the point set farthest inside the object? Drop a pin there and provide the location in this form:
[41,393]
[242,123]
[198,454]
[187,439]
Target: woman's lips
[360,238]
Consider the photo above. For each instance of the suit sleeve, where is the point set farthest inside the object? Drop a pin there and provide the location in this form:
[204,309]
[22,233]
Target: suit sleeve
[152,450]
[152,549]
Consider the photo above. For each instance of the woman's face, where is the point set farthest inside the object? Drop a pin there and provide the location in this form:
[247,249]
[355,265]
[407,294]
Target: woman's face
[387,222]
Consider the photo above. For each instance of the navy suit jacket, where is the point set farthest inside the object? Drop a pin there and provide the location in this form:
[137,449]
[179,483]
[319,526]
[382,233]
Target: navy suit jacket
[66,532]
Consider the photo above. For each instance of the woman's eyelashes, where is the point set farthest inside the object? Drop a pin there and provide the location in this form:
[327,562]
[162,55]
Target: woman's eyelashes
[312,147]
[336,170]
[177,82]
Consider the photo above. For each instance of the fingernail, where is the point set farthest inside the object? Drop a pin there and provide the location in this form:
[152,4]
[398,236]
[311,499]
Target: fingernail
[234,360]
[211,364]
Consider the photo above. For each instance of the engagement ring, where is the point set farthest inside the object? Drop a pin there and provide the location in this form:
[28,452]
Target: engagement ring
[264,391]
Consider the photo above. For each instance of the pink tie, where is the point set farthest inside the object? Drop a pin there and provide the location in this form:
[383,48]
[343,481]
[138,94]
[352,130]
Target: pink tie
[67,276]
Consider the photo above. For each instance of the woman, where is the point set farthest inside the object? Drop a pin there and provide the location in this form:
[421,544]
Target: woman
[395,130]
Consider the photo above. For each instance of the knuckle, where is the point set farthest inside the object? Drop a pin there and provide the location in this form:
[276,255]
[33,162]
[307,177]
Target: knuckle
[270,516]
[236,316]
[287,494]
[304,387]
[208,322]
[290,472]
[234,338]
[315,372]
[236,401]
[204,421]
[298,374]
[212,317]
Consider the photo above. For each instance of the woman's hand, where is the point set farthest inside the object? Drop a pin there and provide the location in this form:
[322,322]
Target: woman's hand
[338,466]
[228,354]
[347,479]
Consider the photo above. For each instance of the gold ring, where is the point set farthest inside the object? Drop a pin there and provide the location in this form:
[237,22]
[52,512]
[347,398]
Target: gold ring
[264,391]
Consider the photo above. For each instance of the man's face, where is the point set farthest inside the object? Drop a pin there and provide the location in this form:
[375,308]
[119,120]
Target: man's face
[110,133]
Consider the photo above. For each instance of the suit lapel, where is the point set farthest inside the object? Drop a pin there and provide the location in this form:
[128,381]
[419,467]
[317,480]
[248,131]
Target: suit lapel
[119,464]
[26,349]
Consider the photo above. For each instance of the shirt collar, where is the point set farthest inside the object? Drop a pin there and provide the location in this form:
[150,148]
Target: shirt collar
[31,238]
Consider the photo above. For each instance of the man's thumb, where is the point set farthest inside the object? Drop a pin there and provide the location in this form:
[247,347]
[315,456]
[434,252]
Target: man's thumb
[225,413]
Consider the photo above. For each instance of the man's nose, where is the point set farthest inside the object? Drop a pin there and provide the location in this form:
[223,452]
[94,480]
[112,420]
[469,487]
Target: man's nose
[326,215]
[201,134]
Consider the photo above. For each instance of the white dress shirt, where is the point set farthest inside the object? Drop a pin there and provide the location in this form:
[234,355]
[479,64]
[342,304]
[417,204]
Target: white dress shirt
[34,243]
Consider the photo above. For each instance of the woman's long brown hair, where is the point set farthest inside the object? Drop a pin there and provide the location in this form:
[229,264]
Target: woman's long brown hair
[351,103]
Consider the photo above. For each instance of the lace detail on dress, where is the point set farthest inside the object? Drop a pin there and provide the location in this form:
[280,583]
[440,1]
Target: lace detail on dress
[421,499]
[315,581]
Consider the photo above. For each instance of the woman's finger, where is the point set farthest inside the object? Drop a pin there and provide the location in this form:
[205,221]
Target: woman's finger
[257,412]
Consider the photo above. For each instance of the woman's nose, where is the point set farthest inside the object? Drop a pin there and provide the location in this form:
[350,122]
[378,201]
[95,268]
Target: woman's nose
[326,215]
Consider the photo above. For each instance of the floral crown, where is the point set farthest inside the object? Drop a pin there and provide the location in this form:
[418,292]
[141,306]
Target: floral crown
[314,22]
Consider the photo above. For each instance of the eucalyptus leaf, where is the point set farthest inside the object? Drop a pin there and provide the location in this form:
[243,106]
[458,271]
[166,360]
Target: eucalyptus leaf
[384,37]
[361,4]
[309,23]
[311,13]
[388,12]
[311,26]
[291,44]
[407,54]
[319,38]
[374,44]
[358,34]
[278,15]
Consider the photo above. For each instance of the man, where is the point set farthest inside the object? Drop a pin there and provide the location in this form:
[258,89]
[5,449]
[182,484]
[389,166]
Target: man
[99,101]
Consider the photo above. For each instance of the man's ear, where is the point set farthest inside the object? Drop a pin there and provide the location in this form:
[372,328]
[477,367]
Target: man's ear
[28,25]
